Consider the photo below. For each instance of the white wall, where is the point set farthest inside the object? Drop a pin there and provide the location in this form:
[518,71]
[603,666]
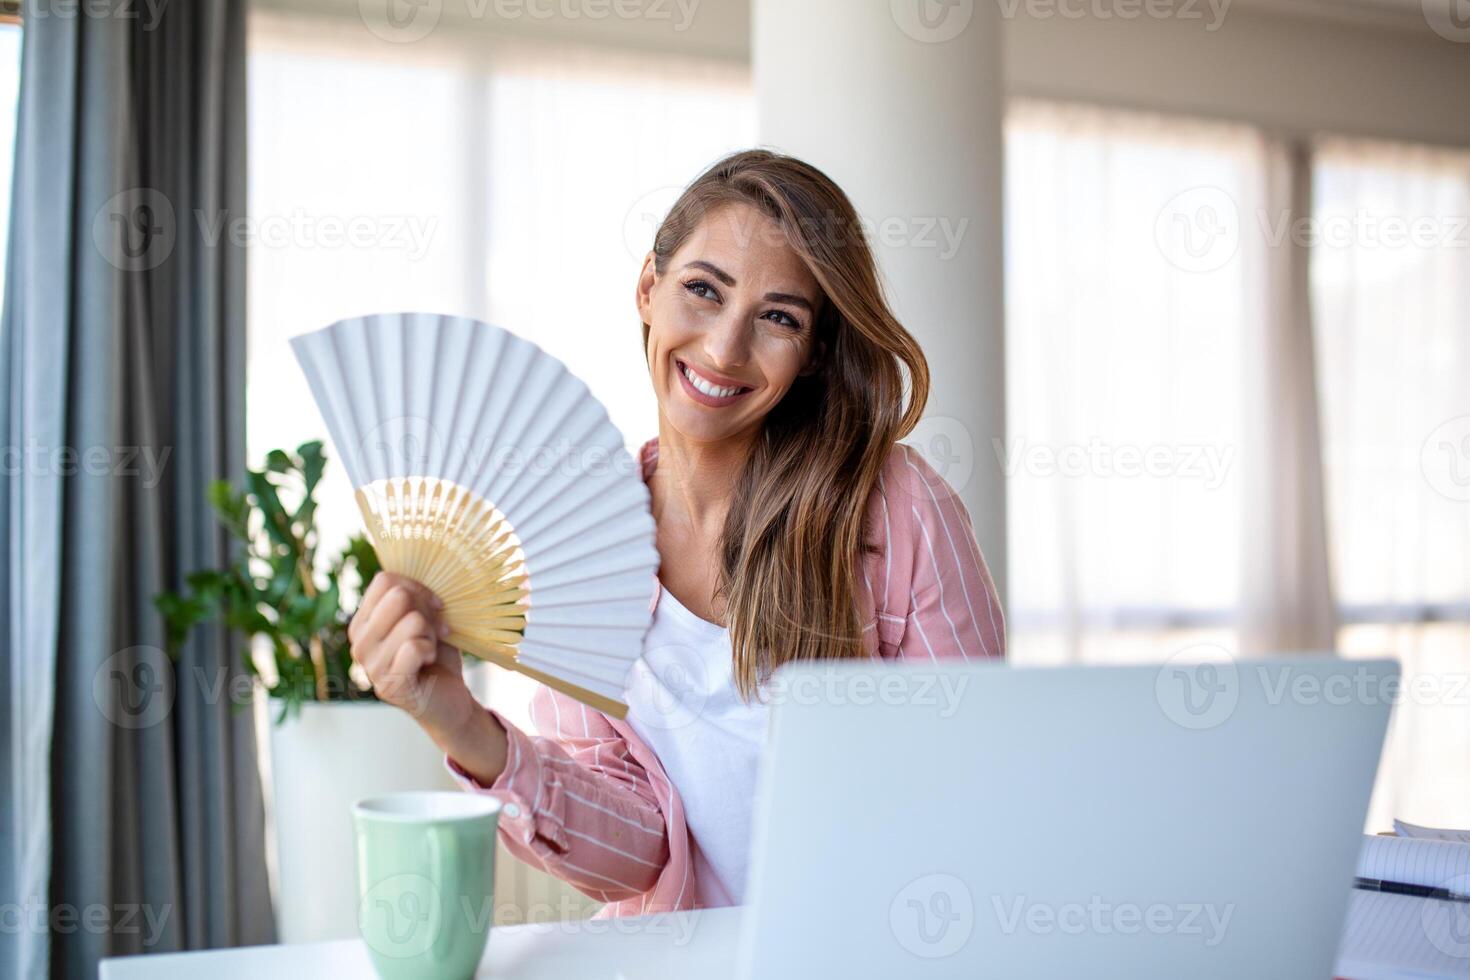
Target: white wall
[1369,77]
[1357,67]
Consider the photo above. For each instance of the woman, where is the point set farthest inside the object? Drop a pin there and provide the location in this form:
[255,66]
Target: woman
[791,526]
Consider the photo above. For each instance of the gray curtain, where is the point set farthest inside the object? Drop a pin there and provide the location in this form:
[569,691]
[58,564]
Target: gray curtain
[132,802]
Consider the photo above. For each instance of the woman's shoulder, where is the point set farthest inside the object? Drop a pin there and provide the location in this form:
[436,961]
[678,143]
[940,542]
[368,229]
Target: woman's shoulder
[913,487]
[927,567]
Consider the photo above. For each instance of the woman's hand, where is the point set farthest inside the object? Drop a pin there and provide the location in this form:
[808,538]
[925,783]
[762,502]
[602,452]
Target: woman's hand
[397,637]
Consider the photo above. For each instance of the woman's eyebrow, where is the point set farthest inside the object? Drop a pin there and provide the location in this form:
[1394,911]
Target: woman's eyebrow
[729,280]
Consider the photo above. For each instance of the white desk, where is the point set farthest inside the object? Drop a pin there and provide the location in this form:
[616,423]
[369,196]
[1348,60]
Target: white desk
[680,944]
[690,944]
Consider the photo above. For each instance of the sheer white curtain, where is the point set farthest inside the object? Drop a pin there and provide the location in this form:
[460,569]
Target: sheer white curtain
[1391,291]
[1289,342]
[513,180]
[1126,301]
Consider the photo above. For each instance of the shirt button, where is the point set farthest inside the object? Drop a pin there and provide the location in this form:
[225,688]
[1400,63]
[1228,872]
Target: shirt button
[512,811]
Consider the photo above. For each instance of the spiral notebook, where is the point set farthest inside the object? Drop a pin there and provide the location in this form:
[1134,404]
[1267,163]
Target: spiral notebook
[1396,937]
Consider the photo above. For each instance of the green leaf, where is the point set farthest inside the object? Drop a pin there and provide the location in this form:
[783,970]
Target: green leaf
[277,523]
[207,581]
[284,578]
[260,590]
[325,612]
[276,461]
[313,462]
[232,509]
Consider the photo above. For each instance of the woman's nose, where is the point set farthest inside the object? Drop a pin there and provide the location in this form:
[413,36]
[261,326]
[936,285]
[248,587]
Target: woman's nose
[727,344]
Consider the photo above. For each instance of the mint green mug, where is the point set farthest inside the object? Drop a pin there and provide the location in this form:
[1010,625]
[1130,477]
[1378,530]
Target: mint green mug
[425,882]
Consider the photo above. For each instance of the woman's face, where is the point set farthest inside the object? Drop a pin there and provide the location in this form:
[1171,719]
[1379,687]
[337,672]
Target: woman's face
[731,324]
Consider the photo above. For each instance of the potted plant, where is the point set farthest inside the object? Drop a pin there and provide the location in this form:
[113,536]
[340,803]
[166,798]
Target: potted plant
[332,742]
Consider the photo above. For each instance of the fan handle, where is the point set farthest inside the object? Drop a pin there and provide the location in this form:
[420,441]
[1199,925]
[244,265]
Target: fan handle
[591,699]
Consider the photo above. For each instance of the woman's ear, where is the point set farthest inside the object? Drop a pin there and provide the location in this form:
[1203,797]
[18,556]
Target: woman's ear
[643,288]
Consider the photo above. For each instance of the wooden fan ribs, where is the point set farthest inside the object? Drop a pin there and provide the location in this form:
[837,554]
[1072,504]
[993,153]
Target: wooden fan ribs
[461,548]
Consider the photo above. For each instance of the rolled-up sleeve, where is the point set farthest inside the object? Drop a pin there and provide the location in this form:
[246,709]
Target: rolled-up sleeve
[576,804]
[954,610]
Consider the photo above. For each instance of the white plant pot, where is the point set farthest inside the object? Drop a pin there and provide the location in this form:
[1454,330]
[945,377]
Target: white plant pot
[322,761]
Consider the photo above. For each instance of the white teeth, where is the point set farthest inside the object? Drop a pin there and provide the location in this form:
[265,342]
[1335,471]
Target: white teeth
[714,391]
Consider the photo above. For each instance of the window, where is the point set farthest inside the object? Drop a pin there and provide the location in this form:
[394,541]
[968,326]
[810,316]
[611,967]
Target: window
[1123,346]
[1147,264]
[1391,294]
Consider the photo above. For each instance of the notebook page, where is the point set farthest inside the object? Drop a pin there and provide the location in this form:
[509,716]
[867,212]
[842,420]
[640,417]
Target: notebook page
[1400,937]
[1433,863]
[1406,829]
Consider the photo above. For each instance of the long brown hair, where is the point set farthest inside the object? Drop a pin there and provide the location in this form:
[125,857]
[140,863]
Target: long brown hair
[789,551]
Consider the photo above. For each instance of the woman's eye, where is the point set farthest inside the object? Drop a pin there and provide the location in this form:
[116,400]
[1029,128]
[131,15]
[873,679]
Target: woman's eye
[786,319]
[701,289]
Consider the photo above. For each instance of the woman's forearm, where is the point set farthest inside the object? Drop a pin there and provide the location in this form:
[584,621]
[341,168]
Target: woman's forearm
[474,739]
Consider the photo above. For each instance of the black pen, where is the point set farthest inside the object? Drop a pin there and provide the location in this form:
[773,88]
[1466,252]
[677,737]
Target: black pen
[1400,888]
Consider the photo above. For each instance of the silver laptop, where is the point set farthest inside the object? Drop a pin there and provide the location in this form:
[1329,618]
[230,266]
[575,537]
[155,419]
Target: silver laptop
[1185,820]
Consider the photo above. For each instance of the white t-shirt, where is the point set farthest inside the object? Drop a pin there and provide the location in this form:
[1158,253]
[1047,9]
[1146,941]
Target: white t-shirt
[682,701]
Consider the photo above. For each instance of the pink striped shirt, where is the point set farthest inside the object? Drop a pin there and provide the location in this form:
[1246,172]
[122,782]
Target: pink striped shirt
[590,803]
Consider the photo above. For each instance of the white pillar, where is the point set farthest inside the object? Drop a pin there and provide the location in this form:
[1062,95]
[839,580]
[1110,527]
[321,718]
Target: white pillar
[900,102]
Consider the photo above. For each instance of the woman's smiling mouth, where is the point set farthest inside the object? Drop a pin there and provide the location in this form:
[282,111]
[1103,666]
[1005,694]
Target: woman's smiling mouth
[706,391]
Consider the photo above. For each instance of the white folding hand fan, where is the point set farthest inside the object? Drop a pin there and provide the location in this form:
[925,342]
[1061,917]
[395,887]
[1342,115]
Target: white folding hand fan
[487,471]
